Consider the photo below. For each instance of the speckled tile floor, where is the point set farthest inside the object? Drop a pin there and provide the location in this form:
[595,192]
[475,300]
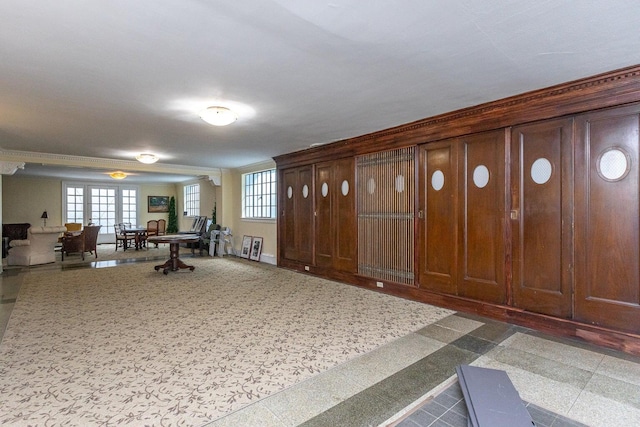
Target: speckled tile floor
[411,381]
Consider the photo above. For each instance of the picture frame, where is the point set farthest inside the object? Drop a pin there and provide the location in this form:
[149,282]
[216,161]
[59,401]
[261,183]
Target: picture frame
[256,249]
[157,204]
[246,247]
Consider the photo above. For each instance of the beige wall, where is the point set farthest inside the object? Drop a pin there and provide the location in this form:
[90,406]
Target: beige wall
[208,199]
[24,199]
[232,189]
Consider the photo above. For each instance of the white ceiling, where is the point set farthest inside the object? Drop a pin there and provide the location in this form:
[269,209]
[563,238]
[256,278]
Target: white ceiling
[110,79]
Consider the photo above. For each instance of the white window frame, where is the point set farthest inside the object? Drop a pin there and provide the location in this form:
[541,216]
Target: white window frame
[86,186]
[191,194]
[259,195]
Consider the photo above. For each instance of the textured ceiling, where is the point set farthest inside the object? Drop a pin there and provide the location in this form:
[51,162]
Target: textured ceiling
[110,79]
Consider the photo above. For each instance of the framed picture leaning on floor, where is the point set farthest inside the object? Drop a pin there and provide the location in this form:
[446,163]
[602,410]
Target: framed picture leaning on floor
[256,249]
[246,246]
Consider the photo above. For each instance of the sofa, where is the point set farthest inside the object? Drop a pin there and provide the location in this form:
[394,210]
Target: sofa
[37,248]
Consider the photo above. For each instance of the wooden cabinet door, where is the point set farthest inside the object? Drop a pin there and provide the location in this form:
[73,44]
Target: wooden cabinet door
[324,235]
[438,192]
[335,222]
[481,207]
[542,216]
[344,215]
[297,214]
[607,219]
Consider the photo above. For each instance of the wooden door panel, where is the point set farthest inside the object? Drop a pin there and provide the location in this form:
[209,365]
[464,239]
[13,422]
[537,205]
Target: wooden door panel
[297,214]
[304,215]
[482,215]
[345,258]
[541,159]
[289,185]
[324,232]
[438,189]
[607,220]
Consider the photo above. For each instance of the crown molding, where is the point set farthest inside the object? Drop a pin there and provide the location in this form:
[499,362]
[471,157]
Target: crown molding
[259,166]
[102,163]
[9,168]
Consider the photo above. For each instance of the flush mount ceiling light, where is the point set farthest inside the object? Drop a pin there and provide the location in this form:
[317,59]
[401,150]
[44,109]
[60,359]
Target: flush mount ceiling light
[147,158]
[218,116]
[118,175]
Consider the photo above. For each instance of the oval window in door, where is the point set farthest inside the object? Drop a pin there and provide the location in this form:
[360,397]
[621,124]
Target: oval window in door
[481,176]
[289,192]
[437,180]
[613,164]
[325,189]
[345,187]
[371,186]
[305,191]
[541,171]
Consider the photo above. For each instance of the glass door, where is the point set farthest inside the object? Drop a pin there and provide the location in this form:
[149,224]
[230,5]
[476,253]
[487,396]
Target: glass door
[102,209]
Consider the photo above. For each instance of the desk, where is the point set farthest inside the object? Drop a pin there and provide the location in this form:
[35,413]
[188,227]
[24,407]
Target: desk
[137,232]
[174,241]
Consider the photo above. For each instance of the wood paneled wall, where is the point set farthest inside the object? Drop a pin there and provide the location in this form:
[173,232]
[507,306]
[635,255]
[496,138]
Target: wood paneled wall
[526,209]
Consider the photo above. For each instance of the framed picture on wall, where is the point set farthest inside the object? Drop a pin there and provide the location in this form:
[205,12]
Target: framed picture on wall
[246,246]
[256,248]
[157,204]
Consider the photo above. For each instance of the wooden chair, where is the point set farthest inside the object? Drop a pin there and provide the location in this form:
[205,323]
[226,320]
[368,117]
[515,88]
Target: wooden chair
[152,228]
[121,236]
[162,227]
[85,241]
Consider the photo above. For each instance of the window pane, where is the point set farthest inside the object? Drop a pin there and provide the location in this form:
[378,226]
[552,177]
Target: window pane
[259,194]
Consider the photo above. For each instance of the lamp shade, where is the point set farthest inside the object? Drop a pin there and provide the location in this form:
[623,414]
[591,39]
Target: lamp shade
[218,116]
[118,175]
[147,158]
[44,215]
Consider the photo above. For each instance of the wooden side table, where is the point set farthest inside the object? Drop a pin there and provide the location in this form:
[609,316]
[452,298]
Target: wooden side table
[174,240]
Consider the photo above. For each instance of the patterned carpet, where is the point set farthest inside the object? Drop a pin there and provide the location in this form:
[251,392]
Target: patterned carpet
[128,345]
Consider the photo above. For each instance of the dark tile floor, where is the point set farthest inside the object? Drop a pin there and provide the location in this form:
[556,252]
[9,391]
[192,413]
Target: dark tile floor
[448,409]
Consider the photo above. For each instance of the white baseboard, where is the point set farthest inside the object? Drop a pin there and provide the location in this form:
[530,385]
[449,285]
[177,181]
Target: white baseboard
[269,259]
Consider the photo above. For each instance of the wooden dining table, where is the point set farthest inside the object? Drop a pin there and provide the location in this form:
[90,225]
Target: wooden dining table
[174,240]
[138,233]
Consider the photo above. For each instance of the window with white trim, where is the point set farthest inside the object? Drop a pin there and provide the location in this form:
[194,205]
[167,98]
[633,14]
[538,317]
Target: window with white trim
[192,199]
[74,202]
[101,204]
[259,195]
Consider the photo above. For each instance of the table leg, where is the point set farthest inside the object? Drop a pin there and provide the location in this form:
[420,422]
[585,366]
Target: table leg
[173,263]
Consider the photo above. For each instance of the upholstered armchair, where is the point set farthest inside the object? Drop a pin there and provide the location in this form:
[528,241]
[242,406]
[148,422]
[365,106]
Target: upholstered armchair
[85,241]
[37,248]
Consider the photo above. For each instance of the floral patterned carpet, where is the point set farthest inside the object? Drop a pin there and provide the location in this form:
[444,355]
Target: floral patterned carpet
[128,345]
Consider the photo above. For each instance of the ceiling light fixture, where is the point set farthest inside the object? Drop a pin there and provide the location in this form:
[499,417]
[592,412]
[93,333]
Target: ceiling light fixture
[118,175]
[147,158]
[218,116]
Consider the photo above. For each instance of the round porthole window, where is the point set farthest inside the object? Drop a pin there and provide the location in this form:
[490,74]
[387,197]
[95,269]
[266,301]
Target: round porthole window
[541,171]
[289,192]
[400,183]
[371,186]
[613,164]
[345,187]
[325,189]
[481,176]
[305,191]
[437,180]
